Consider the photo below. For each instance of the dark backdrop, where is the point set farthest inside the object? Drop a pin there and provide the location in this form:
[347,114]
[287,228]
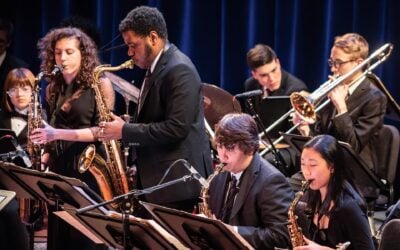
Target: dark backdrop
[216,34]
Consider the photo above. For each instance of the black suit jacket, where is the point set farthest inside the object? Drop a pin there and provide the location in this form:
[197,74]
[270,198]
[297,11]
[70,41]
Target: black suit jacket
[10,62]
[5,122]
[261,206]
[361,124]
[170,126]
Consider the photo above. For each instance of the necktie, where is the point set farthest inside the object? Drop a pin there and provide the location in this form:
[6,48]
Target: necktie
[233,189]
[143,90]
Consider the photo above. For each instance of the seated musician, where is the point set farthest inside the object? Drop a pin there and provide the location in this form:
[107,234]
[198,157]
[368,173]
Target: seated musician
[357,108]
[268,75]
[335,211]
[257,204]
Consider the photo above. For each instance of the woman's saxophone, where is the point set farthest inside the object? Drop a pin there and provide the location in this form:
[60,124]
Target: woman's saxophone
[110,173]
[34,122]
[295,233]
[35,118]
[204,196]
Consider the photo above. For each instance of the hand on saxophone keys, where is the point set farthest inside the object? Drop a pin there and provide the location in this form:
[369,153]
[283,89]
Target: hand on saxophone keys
[111,130]
[43,135]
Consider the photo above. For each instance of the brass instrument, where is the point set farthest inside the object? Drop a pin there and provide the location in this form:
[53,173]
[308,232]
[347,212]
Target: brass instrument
[295,233]
[306,107]
[110,173]
[204,196]
[35,121]
[33,211]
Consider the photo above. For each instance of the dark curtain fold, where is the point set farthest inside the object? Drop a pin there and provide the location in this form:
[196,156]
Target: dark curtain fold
[216,34]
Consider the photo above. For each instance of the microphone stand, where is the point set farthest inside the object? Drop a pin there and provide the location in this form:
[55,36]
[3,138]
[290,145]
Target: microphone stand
[124,198]
[279,162]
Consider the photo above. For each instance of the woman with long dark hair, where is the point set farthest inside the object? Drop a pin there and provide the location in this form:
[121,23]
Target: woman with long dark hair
[335,209]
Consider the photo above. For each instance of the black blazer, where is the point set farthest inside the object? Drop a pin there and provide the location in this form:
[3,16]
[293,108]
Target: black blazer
[361,124]
[261,206]
[170,126]
[5,122]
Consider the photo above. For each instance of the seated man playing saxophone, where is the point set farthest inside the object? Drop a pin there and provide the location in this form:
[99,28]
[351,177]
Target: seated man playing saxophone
[357,108]
[251,194]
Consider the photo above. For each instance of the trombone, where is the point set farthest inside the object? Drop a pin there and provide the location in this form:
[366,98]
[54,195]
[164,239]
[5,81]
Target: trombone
[306,107]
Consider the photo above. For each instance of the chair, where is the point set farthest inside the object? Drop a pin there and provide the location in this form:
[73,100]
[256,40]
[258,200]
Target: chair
[390,236]
[386,153]
[386,150]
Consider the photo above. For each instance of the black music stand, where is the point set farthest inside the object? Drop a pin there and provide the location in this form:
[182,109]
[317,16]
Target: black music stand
[5,197]
[58,191]
[363,176]
[143,234]
[271,109]
[197,232]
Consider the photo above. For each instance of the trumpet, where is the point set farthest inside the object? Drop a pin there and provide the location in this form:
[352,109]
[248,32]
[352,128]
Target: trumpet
[307,107]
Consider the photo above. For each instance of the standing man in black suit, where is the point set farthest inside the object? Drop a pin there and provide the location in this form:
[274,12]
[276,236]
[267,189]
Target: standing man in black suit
[260,193]
[7,61]
[169,123]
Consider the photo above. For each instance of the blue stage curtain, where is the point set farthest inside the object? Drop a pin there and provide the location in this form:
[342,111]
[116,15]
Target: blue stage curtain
[216,34]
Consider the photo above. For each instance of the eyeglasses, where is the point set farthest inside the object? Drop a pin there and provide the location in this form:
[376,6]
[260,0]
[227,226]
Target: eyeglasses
[22,91]
[337,63]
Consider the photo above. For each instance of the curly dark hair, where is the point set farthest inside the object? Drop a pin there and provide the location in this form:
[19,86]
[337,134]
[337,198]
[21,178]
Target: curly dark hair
[87,48]
[238,128]
[142,20]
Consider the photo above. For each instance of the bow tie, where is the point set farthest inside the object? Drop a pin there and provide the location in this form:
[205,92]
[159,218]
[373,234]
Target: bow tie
[16,114]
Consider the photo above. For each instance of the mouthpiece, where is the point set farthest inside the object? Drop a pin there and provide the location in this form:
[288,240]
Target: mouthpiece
[57,69]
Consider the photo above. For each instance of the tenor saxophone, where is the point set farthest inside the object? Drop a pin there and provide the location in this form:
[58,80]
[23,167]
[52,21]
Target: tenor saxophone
[204,207]
[110,173]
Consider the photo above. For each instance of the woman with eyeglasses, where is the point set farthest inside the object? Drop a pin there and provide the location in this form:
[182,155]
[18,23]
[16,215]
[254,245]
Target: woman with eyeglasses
[335,211]
[16,98]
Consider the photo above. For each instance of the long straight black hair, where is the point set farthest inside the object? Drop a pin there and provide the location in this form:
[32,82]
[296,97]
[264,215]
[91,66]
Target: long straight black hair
[340,180]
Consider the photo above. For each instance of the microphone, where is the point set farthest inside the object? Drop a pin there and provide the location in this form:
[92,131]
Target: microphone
[195,174]
[22,153]
[249,94]
[57,69]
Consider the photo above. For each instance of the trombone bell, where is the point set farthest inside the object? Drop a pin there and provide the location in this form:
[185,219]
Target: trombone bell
[303,107]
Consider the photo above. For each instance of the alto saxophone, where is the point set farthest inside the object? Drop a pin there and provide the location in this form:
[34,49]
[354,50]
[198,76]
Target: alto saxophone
[295,232]
[204,208]
[110,173]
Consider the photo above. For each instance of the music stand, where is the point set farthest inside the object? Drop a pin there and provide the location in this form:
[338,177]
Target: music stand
[56,190]
[59,192]
[5,197]
[271,109]
[197,232]
[143,234]
[363,176]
